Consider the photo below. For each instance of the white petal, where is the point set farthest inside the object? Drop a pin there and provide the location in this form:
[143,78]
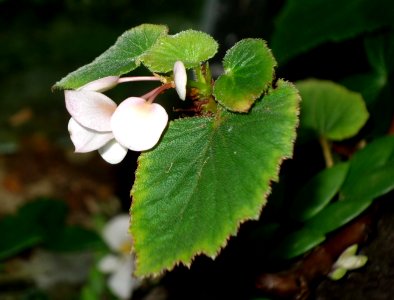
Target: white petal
[121,283]
[352,262]
[138,125]
[86,140]
[113,152]
[90,109]
[101,85]
[180,78]
[116,232]
[109,263]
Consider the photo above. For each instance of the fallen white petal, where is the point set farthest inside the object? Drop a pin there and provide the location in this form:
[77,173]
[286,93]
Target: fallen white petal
[101,85]
[90,109]
[138,125]
[180,78]
[116,232]
[109,263]
[113,152]
[86,140]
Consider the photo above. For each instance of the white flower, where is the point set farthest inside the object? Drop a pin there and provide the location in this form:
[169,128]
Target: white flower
[180,79]
[97,123]
[119,265]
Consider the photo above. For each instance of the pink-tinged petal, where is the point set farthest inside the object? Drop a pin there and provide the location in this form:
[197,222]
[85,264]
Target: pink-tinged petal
[137,124]
[101,85]
[113,152]
[180,78]
[86,140]
[90,109]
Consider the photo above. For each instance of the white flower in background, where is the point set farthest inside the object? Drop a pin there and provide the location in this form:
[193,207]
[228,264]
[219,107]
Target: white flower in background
[180,79]
[347,261]
[119,265]
[97,123]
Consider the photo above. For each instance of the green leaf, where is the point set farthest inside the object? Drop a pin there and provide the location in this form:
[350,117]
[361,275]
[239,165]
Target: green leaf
[74,238]
[119,59]
[208,175]
[190,46]
[31,226]
[304,24]
[371,172]
[318,192]
[331,110]
[248,71]
[298,242]
[337,214]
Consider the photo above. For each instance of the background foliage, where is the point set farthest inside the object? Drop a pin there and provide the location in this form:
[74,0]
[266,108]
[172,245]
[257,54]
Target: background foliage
[349,43]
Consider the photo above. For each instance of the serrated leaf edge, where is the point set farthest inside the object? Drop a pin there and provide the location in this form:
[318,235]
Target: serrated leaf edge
[241,221]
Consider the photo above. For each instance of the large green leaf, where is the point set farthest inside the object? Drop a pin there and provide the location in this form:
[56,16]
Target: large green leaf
[120,59]
[318,192]
[371,172]
[207,176]
[249,70]
[304,24]
[331,110]
[190,46]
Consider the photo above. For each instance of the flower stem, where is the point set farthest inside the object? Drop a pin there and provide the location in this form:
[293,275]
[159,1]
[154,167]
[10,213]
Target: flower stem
[150,96]
[325,145]
[139,78]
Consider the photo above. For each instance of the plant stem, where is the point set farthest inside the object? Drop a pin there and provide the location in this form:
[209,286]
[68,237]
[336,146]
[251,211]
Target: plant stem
[325,145]
[138,78]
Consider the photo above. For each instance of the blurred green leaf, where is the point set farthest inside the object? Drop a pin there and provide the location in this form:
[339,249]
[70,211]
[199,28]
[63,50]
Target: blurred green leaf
[318,192]
[304,24]
[189,46]
[17,235]
[33,223]
[371,172]
[207,176]
[331,110]
[248,71]
[74,238]
[119,59]
[298,242]
[337,214]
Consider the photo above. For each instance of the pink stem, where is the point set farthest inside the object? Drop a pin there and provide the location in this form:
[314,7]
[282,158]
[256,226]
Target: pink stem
[138,78]
[150,96]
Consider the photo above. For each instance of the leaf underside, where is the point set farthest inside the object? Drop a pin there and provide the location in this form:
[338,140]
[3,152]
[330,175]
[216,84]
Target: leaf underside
[208,175]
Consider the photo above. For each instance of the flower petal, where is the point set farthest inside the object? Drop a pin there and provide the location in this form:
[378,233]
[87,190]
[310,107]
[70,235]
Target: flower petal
[86,140]
[109,263]
[113,152]
[137,124]
[90,109]
[116,232]
[101,85]
[180,78]
[121,282]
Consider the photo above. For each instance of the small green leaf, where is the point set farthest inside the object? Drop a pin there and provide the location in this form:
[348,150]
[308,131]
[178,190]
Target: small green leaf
[249,70]
[298,242]
[304,24]
[371,172]
[331,110]
[337,214]
[119,59]
[208,175]
[318,192]
[190,46]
